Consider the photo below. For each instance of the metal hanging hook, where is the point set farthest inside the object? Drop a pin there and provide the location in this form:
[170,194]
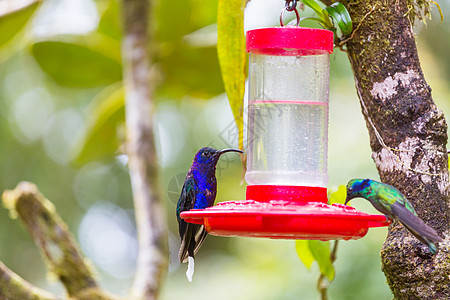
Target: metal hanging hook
[290,5]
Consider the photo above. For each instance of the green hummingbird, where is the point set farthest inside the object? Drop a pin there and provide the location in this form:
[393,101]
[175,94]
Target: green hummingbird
[391,202]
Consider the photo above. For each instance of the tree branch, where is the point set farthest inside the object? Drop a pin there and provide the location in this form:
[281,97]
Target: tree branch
[149,207]
[53,239]
[408,136]
[322,284]
[12,286]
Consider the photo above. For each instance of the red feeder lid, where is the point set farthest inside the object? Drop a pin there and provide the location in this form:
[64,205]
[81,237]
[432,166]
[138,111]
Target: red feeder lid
[281,219]
[289,40]
[299,194]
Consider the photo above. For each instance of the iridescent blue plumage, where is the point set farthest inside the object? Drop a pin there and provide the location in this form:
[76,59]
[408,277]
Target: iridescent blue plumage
[198,192]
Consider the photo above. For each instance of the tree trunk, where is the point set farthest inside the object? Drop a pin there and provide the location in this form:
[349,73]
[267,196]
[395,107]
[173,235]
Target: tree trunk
[408,137]
[150,211]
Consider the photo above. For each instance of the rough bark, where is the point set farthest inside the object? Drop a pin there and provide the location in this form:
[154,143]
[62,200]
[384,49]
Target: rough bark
[408,137]
[139,106]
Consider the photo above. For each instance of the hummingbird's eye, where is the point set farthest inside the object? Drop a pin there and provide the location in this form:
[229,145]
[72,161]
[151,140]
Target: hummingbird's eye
[206,154]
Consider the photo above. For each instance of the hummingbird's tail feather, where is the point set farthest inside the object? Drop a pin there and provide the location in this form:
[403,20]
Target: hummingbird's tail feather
[428,239]
[191,241]
[200,238]
[190,269]
[417,227]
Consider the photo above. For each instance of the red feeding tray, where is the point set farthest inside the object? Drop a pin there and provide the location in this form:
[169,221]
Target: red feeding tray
[294,217]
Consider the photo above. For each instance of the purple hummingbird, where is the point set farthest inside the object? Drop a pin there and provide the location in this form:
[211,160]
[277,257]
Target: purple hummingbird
[198,192]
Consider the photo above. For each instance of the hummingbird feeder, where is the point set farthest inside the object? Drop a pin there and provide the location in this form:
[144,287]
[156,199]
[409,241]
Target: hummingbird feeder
[287,144]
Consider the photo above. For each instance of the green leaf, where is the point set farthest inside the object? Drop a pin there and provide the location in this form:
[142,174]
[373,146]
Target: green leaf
[185,68]
[100,139]
[186,73]
[172,19]
[324,20]
[321,253]
[338,196]
[109,24]
[231,52]
[304,253]
[13,22]
[90,63]
[315,6]
[177,18]
[341,17]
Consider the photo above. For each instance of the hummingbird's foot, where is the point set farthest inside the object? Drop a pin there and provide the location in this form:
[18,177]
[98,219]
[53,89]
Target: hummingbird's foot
[424,252]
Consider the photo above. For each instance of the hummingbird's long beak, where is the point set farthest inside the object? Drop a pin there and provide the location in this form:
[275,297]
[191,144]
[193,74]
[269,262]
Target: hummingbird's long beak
[347,199]
[229,150]
[349,195]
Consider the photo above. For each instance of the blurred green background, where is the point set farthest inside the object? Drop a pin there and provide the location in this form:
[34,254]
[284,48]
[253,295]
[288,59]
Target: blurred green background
[61,126]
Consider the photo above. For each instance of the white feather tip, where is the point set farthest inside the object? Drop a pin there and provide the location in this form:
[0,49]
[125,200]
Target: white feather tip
[190,269]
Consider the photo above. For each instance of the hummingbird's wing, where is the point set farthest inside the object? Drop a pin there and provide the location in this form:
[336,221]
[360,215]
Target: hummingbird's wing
[186,202]
[192,241]
[388,196]
[416,226]
[192,235]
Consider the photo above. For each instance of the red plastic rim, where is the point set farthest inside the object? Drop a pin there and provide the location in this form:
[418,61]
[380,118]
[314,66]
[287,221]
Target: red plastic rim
[299,194]
[285,212]
[280,219]
[289,40]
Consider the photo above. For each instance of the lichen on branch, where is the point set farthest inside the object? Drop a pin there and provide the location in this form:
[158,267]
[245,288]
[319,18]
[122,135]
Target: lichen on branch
[57,245]
[12,286]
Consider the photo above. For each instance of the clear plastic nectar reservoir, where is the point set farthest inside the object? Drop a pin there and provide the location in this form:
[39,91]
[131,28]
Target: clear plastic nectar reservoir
[287,138]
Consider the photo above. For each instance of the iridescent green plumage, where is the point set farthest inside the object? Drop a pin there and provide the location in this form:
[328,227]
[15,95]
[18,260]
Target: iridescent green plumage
[391,202]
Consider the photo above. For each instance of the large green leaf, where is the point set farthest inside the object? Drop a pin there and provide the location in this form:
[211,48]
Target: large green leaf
[311,250]
[172,19]
[231,52]
[176,18]
[321,253]
[304,253]
[109,24]
[99,139]
[190,71]
[13,22]
[185,68]
[88,63]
